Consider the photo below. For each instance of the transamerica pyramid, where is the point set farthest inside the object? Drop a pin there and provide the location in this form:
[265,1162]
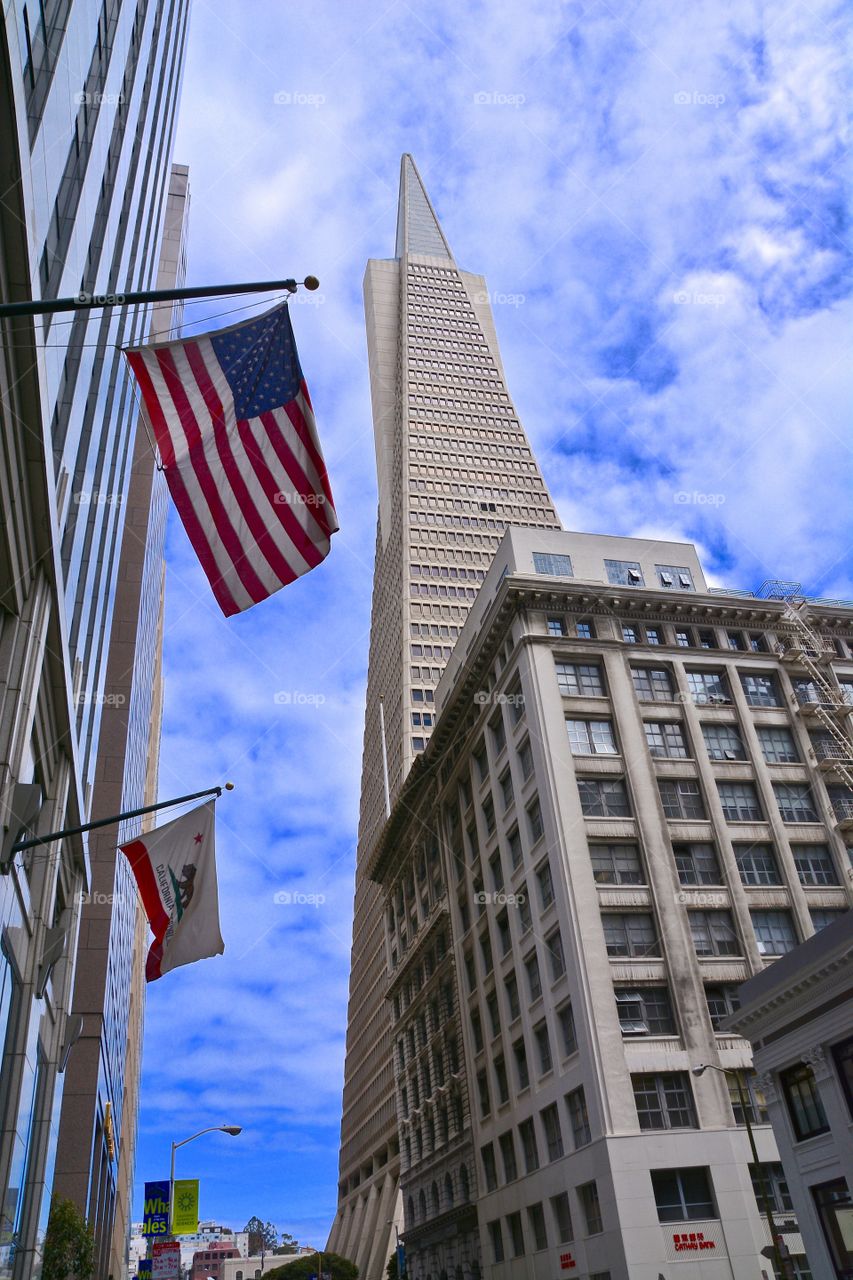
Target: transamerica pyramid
[454,468]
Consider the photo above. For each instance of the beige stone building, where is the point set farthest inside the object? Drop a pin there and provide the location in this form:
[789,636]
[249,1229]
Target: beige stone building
[615,795]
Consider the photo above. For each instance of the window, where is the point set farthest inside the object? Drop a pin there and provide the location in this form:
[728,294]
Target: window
[546,885]
[756,1103]
[534,821]
[566,1024]
[795,802]
[505,784]
[504,933]
[707,639]
[591,1206]
[496,1239]
[603,798]
[498,733]
[652,684]
[530,1151]
[714,933]
[740,801]
[579,679]
[520,1054]
[834,1205]
[624,573]
[734,640]
[534,981]
[523,908]
[553,1133]
[774,932]
[681,798]
[665,739]
[525,759]
[556,956]
[515,850]
[630,634]
[664,1101]
[591,737]
[684,638]
[756,864]
[501,1080]
[757,643]
[486,952]
[559,566]
[768,1180]
[630,934]
[708,687]
[674,577]
[645,1011]
[814,864]
[477,1031]
[616,864]
[494,1013]
[683,1195]
[578,1117]
[723,742]
[803,1100]
[777,745]
[536,1219]
[516,1234]
[556,627]
[562,1217]
[511,988]
[822,917]
[653,635]
[696,863]
[507,1146]
[489,1170]
[496,872]
[483,1094]
[761,691]
[843,1056]
[543,1047]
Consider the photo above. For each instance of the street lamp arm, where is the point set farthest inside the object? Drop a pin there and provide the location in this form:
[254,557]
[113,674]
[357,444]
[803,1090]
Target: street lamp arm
[214,1128]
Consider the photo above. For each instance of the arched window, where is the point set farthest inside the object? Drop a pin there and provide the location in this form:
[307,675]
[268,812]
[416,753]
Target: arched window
[434,1198]
[239,1276]
[448,1190]
[422,1205]
[410,1211]
[464,1184]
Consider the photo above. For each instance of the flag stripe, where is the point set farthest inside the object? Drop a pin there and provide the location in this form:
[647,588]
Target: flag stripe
[146,882]
[293,457]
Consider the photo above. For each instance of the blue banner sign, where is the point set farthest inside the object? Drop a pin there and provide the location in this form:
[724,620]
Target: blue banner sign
[155,1217]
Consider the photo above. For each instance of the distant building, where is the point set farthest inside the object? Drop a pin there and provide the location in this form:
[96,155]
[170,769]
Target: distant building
[798,1014]
[256,1267]
[210,1260]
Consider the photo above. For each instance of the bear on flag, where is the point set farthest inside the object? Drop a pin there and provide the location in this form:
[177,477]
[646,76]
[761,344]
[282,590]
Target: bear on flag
[175,872]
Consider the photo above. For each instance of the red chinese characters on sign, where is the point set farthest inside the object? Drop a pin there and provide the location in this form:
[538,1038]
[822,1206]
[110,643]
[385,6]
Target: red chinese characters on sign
[567,1262]
[691,1242]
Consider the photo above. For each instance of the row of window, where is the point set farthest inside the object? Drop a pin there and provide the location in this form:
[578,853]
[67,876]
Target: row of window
[697,864]
[513,1245]
[682,800]
[634,935]
[625,573]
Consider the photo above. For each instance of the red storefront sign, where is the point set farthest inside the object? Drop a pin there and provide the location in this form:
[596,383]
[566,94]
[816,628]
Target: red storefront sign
[567,1262]
[691,1242]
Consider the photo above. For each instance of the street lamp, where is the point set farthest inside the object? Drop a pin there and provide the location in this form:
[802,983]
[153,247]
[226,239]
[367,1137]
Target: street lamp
[766,1207]
[233,1129]
[401,1271]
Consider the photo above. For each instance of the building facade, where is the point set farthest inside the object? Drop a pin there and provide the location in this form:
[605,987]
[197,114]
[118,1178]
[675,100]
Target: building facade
[90,93]
[95,1156]
[798,1016]
[454,468]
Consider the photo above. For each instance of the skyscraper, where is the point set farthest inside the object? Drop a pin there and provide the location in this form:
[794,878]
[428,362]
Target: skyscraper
[454,469]
[88,113]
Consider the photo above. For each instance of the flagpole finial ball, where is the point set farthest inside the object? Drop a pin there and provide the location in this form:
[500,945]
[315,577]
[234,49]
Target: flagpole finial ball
[311,283]
[229,786]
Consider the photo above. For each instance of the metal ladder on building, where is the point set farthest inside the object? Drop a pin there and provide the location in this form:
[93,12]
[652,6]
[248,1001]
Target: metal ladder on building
[810,644]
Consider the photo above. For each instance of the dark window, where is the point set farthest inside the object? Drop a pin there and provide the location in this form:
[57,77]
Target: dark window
[625,573]
[777,744]
[534,981]
[603,797]
[496,1239]
[774,932]
[543,1047]
[834,1206]
[696,863]
[795,802]
[823,917]
[530,1150]
[536,1218]
[645,1011]
[591,1206]
[546,885]
[652,684]
[616,864]
[511,988]
[723,742]
[756,1103]
[761,691]
[520,1054]
[566,1023]
[683,1195]
[771,1178]
[556,956]
[516,1234]
[553,1133]
[757,864]
[739,801]
[507,1146]
[681,798]
[556,627]
[708,687]
[534,821]
[630,934]
[666,738]
[722,1001]
[578,1117]
[664,1101]
[843,1056]
[562,1217]
[804,1102]
[714,933]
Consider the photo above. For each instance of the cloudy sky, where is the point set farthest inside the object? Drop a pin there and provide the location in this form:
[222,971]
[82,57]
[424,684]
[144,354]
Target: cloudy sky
[656,197]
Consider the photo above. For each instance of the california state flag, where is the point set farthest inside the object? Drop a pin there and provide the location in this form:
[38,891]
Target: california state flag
[175,872]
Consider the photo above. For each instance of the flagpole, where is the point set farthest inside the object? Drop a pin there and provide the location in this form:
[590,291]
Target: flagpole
[88,301]
[116,817]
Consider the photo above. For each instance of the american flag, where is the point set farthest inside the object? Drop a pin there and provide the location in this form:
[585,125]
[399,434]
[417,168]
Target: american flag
[236,433]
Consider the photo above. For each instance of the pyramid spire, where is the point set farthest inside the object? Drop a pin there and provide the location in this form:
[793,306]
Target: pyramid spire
[418,229]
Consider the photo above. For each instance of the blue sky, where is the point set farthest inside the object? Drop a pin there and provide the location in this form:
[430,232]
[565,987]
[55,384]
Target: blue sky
[656,198]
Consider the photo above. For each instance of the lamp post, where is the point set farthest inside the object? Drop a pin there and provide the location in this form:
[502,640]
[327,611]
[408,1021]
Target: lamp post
[232,1129]
[766,1206]
[401,1256]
